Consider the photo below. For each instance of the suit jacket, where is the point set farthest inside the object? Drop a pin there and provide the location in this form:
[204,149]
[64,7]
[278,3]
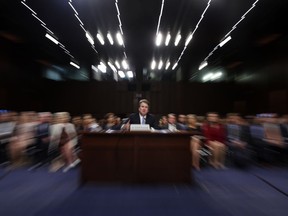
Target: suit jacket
[150,119]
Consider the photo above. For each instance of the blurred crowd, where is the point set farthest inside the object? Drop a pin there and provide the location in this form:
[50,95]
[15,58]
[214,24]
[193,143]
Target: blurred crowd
[34,139]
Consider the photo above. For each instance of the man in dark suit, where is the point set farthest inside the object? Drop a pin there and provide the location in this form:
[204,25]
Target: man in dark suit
[143,116]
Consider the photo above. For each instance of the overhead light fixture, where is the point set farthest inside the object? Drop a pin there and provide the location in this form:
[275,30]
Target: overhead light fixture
[38,19]
[90,38]
[207,77]
[102,67]
[130,74]
[202,65]
[168,37]
[160,65]
[73,8]
[75,65]
[117,64]
[216,76]
[167,65]
[47,29]
[121,74]
[119,39]
[100,38]
[153,64]
[225,41]
[79,19]
[125,65]
[189,38]
[174,66]
[109,36]
[112,67]
[28,7]
[159,39]
[212,76]
[94,68]
[177,40]
[51,38]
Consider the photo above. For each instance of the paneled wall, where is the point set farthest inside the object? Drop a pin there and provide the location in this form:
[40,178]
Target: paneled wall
[102,97]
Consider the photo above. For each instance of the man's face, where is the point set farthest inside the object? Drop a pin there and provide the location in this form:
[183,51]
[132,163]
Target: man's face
[213,118]
[143,109]
[171,119]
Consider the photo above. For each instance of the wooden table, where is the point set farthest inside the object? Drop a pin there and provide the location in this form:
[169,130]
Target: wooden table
[136,157]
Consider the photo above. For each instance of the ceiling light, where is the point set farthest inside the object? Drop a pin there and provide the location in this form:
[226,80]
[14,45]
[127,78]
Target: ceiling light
[79,19]
[188,39]
[94,68]
[153,64]
[125,65]
[90,38]
[177,40]
[159,39]
[109,36]
[207,77]
[160,65]
[117,64]
[119,39]
[216,76]
[38,19]
[47,29]
[225,41]
[202,65]
[174,66]
[121,74]
[75,65]
[28,7]
[102,67]
[167,65]
[130,74]
[112,67]
[73,8]
[100,38]
[51,38]
[168,37]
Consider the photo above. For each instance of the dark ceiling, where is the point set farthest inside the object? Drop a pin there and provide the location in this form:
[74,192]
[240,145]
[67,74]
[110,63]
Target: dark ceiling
[257,33]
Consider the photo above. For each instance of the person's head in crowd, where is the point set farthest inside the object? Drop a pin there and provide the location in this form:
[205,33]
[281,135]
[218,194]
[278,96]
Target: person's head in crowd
[182,119]
[61,117]
[212,117]
[110,118]
[191,119]
[45,117]
[163,121]
[171,118]
[143,107]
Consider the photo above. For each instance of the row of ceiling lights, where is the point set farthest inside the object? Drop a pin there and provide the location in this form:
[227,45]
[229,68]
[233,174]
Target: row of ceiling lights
[227,37]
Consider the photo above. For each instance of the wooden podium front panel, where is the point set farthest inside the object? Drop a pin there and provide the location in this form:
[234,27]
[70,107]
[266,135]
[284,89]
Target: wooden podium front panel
[136,157]
[164,158]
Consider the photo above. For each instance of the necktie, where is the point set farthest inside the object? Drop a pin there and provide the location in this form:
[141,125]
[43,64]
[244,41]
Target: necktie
[143,120]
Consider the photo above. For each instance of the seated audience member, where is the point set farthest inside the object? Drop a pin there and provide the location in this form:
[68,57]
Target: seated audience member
[64,138]
[78,123]
[173,125]
[7,126]
[284,127]
[111,122]
[215,135]
[273,136]
[272,132]
[196,140]
[23,136]
[182,120]
[90,124]
[238,138]
[43,136]
[163,122]
[143,116]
